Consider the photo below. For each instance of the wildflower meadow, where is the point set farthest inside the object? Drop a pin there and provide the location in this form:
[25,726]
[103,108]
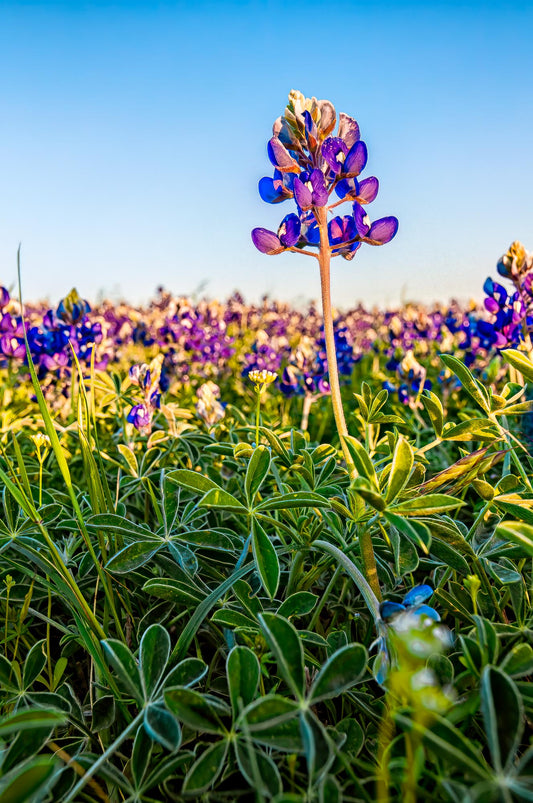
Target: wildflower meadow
[255,552]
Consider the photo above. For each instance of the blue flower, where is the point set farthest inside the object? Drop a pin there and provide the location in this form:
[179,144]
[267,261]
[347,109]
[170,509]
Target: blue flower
[412,604]
[394,614]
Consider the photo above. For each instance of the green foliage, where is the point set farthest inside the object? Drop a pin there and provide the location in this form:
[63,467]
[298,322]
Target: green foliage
[186,615]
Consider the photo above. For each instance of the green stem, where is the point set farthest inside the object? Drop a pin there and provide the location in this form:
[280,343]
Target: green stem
[488,586]
[295,573]
[93,769]
[257,415]
[369,561]
[324,261]
[359,579]
[324,598]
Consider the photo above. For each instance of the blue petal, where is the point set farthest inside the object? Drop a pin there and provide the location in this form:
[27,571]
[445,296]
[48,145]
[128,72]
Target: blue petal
[417,595]
[425,610]
[389,609]
[268,192]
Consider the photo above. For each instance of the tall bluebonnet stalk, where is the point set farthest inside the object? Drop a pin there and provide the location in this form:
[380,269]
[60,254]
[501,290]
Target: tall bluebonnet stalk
[310,164]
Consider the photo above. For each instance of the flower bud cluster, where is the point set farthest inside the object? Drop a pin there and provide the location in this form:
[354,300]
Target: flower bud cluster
[146,378]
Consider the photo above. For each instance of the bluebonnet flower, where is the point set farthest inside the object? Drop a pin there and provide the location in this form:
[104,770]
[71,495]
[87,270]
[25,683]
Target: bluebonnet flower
[412,611]
[413,603]
[146,377]
[303,146]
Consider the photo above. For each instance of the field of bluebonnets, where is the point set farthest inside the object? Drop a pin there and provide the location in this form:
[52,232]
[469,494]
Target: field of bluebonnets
[254,553]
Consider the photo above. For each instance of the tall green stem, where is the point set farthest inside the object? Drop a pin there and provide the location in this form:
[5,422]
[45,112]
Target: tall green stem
[257,416]
[324,261]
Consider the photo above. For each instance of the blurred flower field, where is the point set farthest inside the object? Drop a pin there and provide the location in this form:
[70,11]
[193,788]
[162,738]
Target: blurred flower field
[258,553]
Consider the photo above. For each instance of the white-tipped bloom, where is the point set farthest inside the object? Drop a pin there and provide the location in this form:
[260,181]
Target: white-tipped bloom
[263,377]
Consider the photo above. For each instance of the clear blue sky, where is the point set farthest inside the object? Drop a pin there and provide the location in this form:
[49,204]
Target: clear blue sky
[133,135]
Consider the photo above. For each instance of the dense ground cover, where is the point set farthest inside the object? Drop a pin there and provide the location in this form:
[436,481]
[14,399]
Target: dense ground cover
[254,553]
[182,604]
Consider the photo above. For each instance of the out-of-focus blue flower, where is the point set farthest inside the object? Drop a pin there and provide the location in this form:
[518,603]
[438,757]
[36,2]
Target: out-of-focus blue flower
[141,417]
[72,308]
[397,614]
[412,603]
[4,297]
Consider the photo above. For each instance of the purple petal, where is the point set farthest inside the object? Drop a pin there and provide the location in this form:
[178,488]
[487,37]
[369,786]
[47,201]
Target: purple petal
[368,189]
[382,231]
[349,251]
[356,159]
[348,130]
[362,221]
[320,192]
[289,230]
[334,151]
[266,241]
[335,230]
[302,193]
[491,305]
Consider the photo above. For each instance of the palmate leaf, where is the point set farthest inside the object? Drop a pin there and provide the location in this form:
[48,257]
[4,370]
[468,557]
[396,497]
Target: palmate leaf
[273,722]
[427,504]
[162,727]
[243,672]
[463,471]
[402,463]
[282,638]
[518,533]
[154,652]
[259,769]
[206,769]
[199,711]
[341,671]
[133,556]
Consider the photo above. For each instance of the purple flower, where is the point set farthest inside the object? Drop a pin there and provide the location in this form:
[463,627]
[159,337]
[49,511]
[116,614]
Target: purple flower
[11,347]
[141,417]
[289,230]
[310,189]
[4,297]
[334,151]
[288,235]
[344,161]
[267,242]
[378,233]
[342,232]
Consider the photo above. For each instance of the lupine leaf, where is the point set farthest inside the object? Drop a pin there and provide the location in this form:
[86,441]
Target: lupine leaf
[282,638]
[503,716]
